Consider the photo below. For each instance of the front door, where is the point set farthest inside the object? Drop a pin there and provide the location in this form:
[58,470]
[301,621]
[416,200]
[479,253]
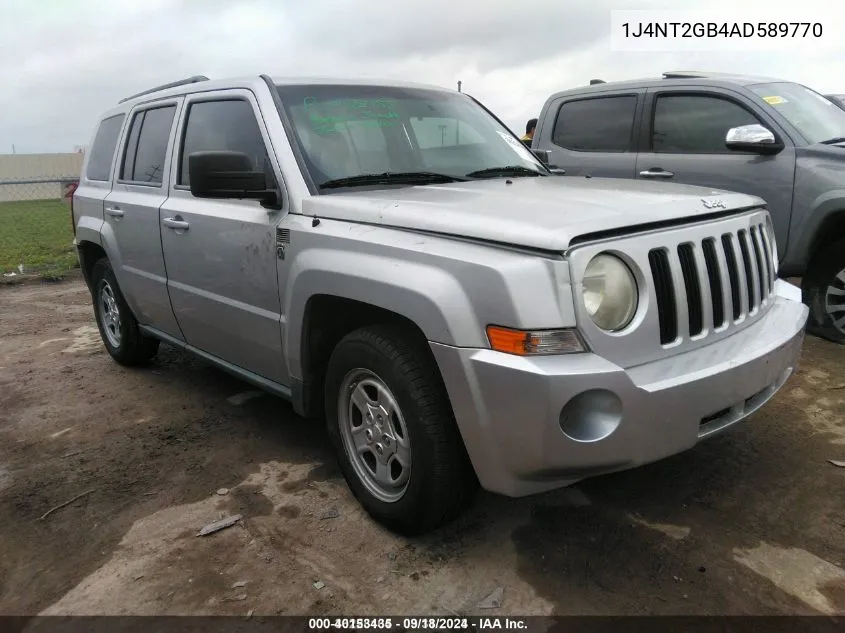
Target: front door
[685,143]
[221,254]
[131,214]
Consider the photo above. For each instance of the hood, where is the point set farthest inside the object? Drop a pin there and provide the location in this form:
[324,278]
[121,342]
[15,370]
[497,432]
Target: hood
[540,213]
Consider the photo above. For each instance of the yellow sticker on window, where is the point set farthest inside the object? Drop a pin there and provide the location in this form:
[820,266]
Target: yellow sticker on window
[774,100]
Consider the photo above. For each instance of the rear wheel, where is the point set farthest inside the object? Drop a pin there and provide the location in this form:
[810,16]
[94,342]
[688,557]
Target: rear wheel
[118,327]
[394,433]
[824,292]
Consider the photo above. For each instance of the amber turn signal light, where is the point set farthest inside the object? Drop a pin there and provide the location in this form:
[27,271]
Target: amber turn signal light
[533,342]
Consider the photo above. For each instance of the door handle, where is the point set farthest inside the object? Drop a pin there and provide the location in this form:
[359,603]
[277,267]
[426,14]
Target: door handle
[114,212]
[656,172]
[176,225]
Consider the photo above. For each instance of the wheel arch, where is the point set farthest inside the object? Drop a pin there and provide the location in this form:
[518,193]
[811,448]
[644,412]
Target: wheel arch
[89,254]
[830,232]
[326,320]
[810,234]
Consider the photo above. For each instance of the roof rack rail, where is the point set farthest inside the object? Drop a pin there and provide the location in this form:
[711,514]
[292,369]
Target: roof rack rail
[686,74]
[593,82]
[173,84]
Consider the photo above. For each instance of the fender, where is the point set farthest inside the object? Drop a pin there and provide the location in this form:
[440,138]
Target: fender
[87,230]
[106,238]
[430,297]
[805,228]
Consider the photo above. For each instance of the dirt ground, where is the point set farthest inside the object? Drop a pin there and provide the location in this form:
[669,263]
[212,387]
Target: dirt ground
[751,522]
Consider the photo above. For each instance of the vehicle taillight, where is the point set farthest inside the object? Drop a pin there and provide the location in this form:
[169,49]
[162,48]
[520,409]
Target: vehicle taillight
[71,189]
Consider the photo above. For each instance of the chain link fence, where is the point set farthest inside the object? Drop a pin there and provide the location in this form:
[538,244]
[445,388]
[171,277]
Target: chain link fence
[52,188]
[36,237]
[38,176]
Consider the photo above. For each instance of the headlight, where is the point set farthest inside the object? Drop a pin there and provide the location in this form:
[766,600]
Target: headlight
[610,292]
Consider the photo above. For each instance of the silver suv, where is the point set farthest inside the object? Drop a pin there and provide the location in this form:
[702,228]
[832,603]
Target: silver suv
[777,140]
[392,258]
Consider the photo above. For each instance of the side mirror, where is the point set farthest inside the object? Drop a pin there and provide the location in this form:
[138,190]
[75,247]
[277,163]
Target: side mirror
[228,175]
[752,138]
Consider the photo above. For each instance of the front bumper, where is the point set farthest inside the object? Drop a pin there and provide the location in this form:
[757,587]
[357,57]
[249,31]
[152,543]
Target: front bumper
[534,424]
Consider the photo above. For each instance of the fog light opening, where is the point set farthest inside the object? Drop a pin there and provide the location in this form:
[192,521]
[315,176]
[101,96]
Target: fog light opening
[591,416]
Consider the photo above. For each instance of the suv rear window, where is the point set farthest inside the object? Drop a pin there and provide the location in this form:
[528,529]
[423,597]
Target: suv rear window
[102,151]
[602,124]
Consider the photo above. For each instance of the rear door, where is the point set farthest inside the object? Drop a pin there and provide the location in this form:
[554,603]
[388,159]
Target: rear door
[221,254]
[684,141]
[95,181]
[592,134]
[131,213]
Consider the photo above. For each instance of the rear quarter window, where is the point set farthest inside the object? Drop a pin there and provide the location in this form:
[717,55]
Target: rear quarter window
[101,156]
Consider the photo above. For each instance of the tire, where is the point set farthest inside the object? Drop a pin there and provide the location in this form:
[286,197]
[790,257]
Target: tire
[385,370]
[118,327]
[823,290]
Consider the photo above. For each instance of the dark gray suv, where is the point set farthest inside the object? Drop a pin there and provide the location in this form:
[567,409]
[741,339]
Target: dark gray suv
[774,139]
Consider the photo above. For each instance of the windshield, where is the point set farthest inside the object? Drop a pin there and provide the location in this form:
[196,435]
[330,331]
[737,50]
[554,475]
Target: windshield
[399,135]
[812,114]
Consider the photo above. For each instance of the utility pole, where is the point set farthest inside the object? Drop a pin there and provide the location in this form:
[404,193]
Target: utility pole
[458,127]
[457,132]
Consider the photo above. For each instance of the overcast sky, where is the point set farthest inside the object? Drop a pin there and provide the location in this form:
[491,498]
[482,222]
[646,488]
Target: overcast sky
[62,62]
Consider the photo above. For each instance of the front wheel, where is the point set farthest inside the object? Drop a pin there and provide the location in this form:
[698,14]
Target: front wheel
[394,433]
[118,327]
[824,292]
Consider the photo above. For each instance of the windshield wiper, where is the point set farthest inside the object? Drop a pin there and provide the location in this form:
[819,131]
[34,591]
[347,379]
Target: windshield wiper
[507,170]
[391,178]
[834,140]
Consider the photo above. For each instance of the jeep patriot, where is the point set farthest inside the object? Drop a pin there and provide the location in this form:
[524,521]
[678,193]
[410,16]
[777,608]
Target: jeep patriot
[391,258]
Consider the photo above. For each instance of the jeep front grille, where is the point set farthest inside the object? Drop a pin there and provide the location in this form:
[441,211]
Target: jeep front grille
[665,293]
[696,274]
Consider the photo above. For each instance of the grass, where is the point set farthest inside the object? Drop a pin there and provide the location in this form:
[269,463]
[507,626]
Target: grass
[37,234]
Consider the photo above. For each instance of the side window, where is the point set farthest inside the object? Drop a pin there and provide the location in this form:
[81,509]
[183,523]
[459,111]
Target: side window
[227,125]
[695,124]
[601,124]
[147,146]
[434,132]
[102,151]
